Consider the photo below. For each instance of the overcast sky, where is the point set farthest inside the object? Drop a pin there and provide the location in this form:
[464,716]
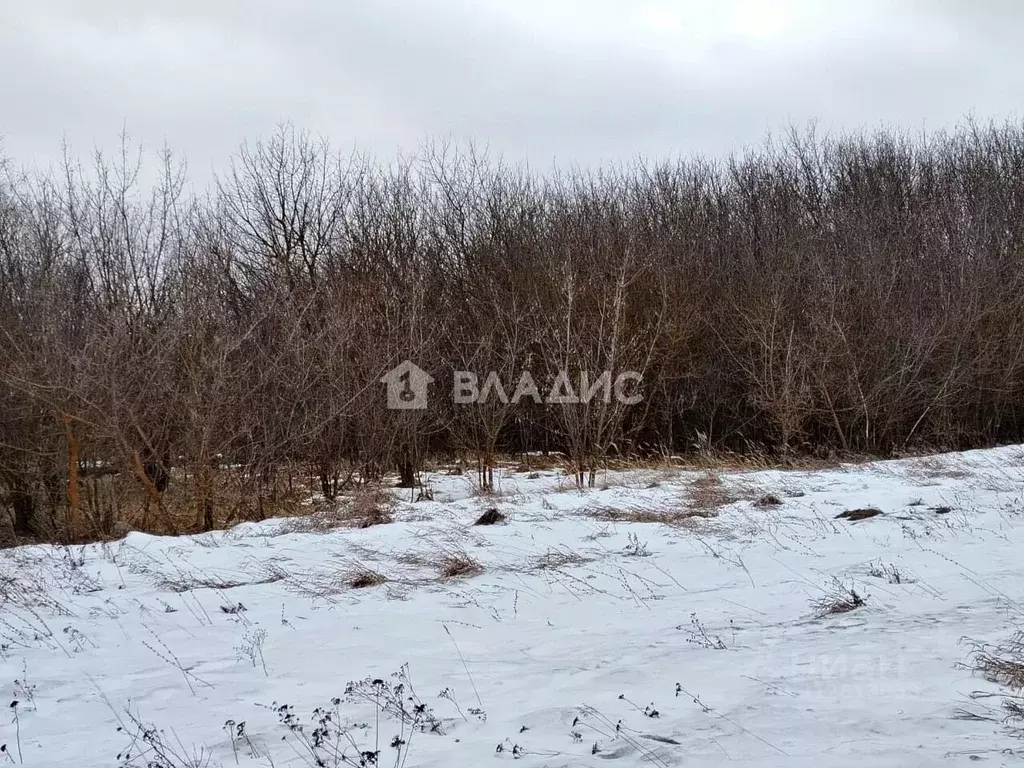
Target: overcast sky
[575,81]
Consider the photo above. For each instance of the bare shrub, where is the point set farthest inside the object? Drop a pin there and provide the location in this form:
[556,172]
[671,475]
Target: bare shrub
[174,362]
[838,598]
[152,747]
[371,506]
[697,634]
[635,547]
[890,572]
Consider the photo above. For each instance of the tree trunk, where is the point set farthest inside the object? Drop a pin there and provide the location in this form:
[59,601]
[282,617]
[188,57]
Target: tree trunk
[406,473]
[329,485]
[158,470]
[24,513]
[74,502]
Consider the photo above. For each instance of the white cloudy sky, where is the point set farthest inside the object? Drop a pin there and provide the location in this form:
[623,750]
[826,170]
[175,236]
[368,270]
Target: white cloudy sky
[584,81]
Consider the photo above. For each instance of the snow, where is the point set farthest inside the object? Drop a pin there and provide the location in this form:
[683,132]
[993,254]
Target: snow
[573,626]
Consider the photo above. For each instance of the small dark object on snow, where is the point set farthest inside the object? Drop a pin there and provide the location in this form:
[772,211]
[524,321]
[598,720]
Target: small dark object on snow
[364,580]
[491,517]
[768,500]
[940,510]
[662,739]
[853,515]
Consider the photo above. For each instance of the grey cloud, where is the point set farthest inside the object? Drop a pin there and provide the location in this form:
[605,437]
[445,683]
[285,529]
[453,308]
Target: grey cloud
[384,75]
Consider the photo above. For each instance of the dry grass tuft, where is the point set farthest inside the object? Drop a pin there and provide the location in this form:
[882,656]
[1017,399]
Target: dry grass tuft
[755,459]
[666,516]
[1014,708]
[708,493]
[413,559]
[840,598]
[364,578]
[890,572]
[454,565]
[1003,665]
[768,500]
[557,558]
[353,574]
[187,582]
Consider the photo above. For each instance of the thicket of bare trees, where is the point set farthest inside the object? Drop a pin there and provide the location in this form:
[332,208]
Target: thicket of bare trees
[175,363]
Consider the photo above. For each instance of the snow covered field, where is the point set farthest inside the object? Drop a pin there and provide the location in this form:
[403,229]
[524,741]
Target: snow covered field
[582,631]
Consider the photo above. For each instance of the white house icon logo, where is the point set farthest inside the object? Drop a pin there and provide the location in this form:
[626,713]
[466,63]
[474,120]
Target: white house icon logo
[407,386]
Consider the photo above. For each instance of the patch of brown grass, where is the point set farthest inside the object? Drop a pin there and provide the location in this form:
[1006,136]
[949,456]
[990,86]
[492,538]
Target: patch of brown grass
[1003,665]
[372,506]
[557,558]
[363,578]
[186,582]
[414,559]
[114,502]
[936,468]
[757,460]
[233,496]
[646,514]
[752,460]
[539,463]
[353,574]
[454,565]
[367,507]
[707,493]
[1014,707]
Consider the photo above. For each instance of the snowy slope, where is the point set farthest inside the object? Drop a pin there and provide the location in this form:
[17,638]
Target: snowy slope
[577,626]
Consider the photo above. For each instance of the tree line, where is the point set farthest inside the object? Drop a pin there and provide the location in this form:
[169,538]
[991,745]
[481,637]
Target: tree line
[173,360]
